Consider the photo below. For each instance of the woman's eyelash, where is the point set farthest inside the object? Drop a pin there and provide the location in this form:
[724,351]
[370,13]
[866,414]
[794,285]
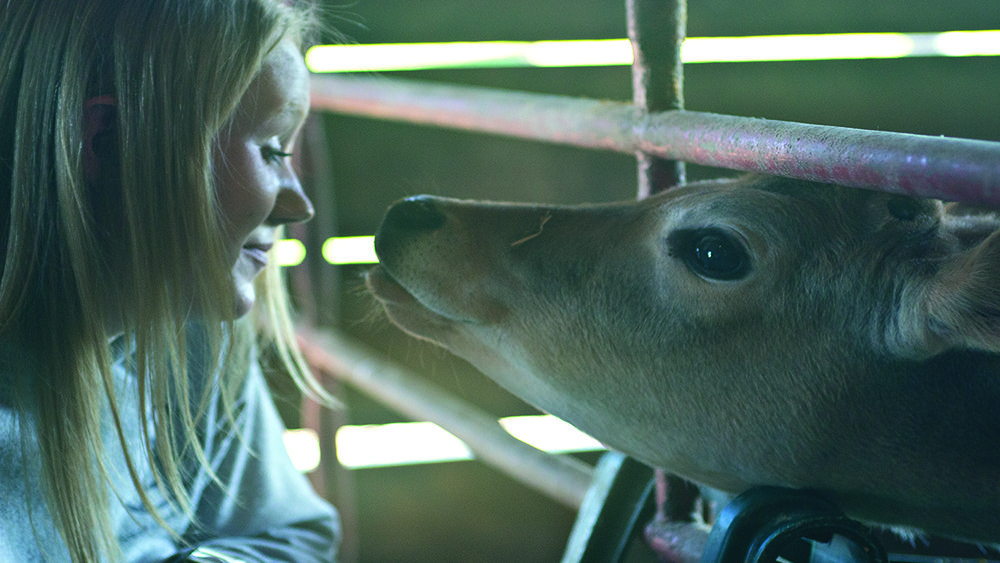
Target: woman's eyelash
[272,154]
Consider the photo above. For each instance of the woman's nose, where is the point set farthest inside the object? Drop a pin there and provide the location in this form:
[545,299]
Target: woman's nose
[291,204]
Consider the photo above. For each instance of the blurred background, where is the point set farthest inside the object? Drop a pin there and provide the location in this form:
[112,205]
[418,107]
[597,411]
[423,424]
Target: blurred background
[464,510]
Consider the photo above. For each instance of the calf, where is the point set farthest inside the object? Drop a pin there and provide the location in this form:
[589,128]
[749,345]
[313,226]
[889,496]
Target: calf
[756,331]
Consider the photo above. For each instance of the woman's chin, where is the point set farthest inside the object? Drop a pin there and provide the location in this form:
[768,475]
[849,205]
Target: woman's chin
[244,298]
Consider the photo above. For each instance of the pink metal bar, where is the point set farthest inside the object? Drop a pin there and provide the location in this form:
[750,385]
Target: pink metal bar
[656,30]
[946,168]
[562,477]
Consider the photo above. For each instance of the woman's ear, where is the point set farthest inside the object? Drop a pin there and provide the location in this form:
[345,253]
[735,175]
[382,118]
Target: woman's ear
[99,116]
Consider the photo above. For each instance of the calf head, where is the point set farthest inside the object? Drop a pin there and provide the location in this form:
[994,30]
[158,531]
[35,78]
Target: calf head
[757,331]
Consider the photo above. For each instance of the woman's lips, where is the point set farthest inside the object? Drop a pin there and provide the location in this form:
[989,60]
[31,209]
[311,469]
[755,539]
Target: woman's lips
[257,253]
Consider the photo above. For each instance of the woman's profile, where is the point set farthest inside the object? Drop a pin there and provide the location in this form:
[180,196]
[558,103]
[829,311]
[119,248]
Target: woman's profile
[145,175]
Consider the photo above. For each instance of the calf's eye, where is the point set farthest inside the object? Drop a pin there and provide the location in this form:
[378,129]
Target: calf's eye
[711,253]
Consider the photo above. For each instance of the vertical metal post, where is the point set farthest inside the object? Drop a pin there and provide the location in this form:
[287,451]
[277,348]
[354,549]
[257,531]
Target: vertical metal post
[321,284]
[316,289]
[656,29]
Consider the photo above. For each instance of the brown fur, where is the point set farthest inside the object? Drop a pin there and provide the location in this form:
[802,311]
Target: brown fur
[856,356]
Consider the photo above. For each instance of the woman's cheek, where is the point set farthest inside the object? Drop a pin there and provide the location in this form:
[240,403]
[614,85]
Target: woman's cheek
[244,189]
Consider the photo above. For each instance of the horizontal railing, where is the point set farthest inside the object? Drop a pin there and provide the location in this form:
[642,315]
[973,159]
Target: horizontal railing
[337,356]
[924,166]
[945,168]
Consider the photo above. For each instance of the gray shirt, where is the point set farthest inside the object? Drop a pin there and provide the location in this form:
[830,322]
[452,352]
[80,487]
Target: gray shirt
[265,511]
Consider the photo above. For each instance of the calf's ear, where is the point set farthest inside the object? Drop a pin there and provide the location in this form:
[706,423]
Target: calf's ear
[959,307]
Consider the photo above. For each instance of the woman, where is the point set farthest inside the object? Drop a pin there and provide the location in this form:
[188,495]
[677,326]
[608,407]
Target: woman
[144,163]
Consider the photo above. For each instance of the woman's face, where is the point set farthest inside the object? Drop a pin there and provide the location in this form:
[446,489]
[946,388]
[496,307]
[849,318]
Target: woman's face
[257,190]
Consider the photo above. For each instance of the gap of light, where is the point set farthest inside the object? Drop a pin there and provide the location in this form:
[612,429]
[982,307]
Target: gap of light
[798,48]
[409,443]
[350,250]
[968,43]
[302,445]
[336,250]
[549,434]
[290,252]
[400,443]
[613,52]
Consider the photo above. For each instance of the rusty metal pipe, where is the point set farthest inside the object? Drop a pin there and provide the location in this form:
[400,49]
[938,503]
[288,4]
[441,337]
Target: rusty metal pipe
[656,30]
[332,354]
[946,168]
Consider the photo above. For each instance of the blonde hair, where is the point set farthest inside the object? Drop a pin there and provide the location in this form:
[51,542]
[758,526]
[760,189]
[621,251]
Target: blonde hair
[177,70]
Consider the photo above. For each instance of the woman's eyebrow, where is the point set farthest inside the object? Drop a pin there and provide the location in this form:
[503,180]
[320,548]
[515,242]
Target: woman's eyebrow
[298,109]
[286,116]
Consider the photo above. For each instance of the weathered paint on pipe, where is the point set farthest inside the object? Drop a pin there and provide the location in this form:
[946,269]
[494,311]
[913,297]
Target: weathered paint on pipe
[946,168]
[580,122]
[332,354]
[656,30]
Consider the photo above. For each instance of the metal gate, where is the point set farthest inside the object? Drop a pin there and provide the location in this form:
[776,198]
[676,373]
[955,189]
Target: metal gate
[663,136]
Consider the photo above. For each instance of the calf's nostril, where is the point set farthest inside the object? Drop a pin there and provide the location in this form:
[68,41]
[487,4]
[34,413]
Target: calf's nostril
[415,213]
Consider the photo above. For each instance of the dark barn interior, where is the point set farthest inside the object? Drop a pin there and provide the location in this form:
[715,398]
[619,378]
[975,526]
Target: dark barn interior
[467,511]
